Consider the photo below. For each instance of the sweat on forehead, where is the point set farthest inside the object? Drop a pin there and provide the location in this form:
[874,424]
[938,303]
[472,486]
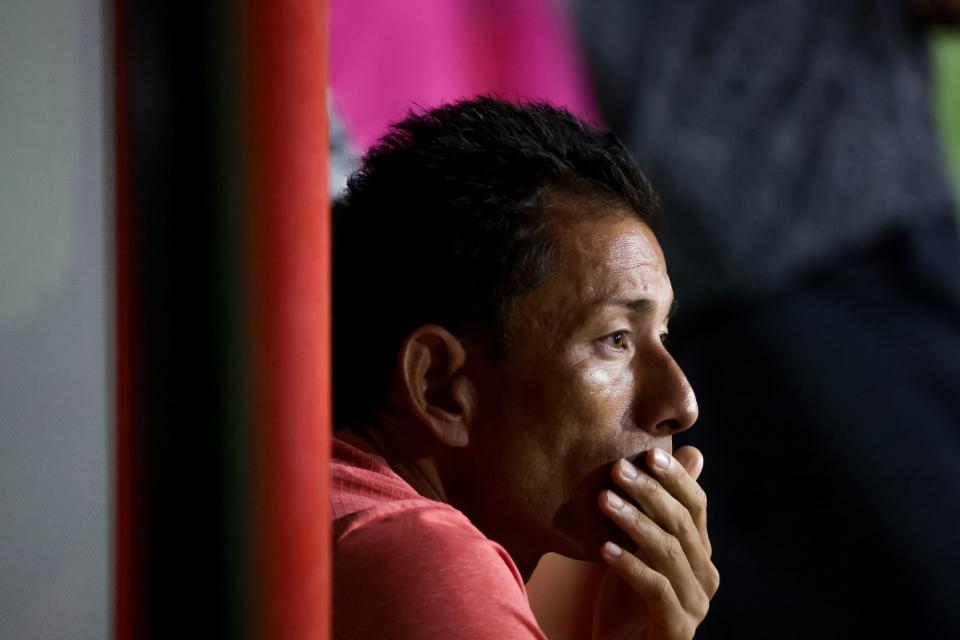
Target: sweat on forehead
[598,265]
[564,211]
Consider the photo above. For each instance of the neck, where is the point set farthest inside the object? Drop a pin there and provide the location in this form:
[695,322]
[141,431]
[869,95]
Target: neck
[413,461]
[408,460]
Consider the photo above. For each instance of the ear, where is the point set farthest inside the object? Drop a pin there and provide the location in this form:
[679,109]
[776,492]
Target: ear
[434,385]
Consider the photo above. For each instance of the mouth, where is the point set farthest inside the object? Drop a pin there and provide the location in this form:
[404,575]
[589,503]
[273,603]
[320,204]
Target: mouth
[580,518]
[600,477]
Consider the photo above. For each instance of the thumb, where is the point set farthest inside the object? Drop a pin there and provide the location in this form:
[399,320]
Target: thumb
[691,459]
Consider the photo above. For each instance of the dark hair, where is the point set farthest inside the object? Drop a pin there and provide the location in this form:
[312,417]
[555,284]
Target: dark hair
[444,223]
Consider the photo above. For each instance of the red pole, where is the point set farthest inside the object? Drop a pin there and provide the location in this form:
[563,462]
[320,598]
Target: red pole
[222,517]
[287,45]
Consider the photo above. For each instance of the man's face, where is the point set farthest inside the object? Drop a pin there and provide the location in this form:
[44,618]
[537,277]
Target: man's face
[584,380]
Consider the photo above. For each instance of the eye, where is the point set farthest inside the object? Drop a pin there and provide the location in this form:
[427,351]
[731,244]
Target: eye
[618,340]
[665,339]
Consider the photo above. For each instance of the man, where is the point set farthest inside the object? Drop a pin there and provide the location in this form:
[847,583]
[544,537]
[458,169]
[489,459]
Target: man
[813,235]
[501,306]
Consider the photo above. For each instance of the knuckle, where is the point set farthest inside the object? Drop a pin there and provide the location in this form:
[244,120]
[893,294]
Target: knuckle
[699,501]
[687,630]
[713,580]
[662,590]
[672,550]
[700,608]
[651,487]
[681,519]
[638,520]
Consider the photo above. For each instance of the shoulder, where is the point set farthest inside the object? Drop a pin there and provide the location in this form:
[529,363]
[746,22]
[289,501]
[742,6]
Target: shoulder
[424,572]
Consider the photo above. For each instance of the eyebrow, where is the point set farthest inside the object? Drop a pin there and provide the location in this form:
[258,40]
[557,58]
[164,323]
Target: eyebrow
[644,306]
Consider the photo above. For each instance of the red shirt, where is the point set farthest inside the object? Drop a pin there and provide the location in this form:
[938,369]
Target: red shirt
[409,567]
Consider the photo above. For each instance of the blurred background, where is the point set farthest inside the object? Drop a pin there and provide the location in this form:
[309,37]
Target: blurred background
[56,319]
[808,157]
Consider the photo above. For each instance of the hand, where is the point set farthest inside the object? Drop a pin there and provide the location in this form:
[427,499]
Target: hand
[661,590]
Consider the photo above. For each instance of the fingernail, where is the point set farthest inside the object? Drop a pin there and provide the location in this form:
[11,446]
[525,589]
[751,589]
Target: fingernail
[612,550]
[661,459]
[627,469]
[614,500]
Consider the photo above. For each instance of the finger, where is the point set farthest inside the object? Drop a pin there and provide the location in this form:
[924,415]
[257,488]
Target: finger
[663,605]
[682,486]
[668,513]
[667,493]
[660,550]
[691,459]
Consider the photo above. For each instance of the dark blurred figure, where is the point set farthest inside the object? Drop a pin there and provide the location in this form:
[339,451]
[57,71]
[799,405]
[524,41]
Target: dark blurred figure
[811,237]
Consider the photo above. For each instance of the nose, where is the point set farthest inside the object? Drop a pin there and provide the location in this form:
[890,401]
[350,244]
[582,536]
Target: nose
[666,403]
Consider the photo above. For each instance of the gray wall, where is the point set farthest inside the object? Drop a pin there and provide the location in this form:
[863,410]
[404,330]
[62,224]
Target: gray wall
[55,322]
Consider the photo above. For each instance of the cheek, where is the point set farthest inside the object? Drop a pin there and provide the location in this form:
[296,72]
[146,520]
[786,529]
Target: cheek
[565,421]
[594,412]
[608,391]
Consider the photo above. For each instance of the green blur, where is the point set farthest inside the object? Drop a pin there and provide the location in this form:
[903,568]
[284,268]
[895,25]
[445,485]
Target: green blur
[945,51]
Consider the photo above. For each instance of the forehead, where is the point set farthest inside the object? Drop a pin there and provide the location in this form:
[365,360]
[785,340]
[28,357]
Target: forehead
[610,255]
[608,259]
